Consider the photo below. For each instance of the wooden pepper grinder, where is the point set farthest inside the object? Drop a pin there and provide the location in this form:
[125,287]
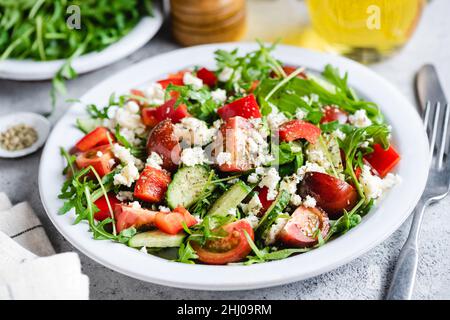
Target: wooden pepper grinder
[207,21]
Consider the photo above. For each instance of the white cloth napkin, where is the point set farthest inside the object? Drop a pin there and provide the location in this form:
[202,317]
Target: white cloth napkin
[29,267]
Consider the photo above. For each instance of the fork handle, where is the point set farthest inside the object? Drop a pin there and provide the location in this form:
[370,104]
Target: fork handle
[402,283]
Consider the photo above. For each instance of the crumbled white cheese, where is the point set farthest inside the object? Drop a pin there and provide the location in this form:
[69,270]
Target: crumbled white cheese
[154,160]
[129,121]
[295,200]
[135,205]
[219,95]
[193,156]
[225,74]
[125,156]
[359,119]
[338,134]
[194,131]
[275,119]
[129,172]
[124,196]
[300,114]
[254,206]
[309,167]
[289,183]
[155,94]
[253,177]
[275,230]
[223,158]
[190,79]
[270,180]
[111,162]
[309,202]
[252,220]
[374,187]
[232,212]
[163,209]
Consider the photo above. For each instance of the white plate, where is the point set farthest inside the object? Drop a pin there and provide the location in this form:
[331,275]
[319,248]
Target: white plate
[409,138]
[37,70]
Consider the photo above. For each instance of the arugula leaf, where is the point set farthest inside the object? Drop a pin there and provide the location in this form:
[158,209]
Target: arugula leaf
[186,254]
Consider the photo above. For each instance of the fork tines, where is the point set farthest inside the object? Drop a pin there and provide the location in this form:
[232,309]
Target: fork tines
[436,122]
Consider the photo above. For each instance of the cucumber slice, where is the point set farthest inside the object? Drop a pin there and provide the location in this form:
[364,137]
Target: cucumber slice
[156,239]
[230,199]
[275,209]
[87,124]
[187,186]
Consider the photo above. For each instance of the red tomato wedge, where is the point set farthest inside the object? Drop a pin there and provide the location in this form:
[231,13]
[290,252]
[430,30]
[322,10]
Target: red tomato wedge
[299,129]
[153,116]
[300,229]
[383,161]
[208,77]
[95,138]
[127,216]
[99,158]
[172,222]
[152,184]
[262,195]
[164,142]
[245,107]
[331,114]
[231,139]
[232,248]
[102,205]
[332,194]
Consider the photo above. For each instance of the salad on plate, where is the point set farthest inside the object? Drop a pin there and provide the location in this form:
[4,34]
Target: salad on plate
[250,162]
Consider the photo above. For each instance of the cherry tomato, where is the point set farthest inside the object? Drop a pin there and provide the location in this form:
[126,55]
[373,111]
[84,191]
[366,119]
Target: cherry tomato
[245,107]
[208,77]
[299,129]
[383,161]
[97,137]
[151,116]
[172,222]
[332,194]
[99,158]
[152,184]
[300,230]
[331,114]
[102,205]
[126,217]
[164,142]
[232,248]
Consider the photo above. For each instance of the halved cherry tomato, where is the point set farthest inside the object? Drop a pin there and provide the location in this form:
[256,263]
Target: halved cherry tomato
[300,230]
[208,77]
[172,222]
[153,116]
[232,248]
[331,114]
[95,138]
[152,184]
[127,216]
[164,142]
[99,158]
[102,205]
[262,195]
[245,107]
[231,139]
[299,129]
[332,194]
[383,161]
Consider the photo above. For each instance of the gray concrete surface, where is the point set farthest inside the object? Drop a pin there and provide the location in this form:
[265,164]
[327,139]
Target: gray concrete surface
[365,278]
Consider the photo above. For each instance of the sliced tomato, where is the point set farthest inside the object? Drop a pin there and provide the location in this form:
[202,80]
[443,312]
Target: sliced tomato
[262,195]
[245,107]
[99,158]
[299,129]
[332,194]
[331,114]
[127,216]
[152,116]
[176,79]
[95,138]
[208,77]
[172,222]
[300,230]
[164,142]
[103,208]
[383,161]
[152,184]
[231,139]
[232,248]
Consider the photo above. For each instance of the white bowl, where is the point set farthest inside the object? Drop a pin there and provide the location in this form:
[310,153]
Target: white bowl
[409,138]
[43,70]
[36,121]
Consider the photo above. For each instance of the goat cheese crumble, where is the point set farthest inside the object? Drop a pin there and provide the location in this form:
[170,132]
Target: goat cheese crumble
[359,119]
[193,156]
[190,79]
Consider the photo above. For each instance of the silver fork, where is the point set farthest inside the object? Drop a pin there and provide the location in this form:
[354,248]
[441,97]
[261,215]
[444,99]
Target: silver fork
[436,189]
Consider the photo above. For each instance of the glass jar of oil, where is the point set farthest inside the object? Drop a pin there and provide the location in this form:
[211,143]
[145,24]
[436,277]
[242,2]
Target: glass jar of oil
[365,30]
